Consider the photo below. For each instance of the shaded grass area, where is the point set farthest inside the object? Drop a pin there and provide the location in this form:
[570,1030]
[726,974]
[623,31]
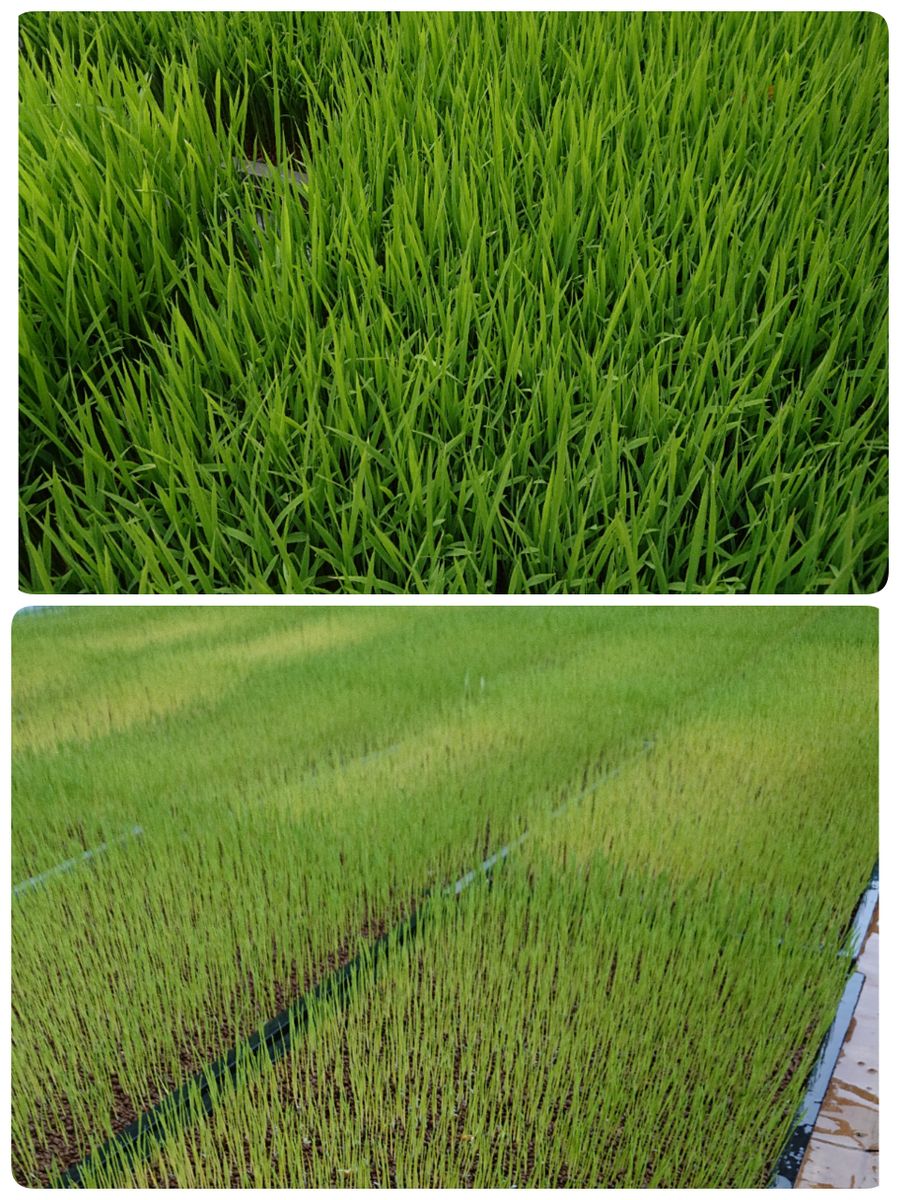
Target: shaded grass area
[570,303]
[276,845]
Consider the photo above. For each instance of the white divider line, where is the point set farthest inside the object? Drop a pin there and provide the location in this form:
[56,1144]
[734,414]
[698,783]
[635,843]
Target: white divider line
[35,881]
[342,764]
[489,863]
[372,756]
[264,170]
[136,831]
[257,169]
[648,745]
[471,876]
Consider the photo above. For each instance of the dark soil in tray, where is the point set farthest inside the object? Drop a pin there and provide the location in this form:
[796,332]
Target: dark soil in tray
[507,1162]
[59,1146]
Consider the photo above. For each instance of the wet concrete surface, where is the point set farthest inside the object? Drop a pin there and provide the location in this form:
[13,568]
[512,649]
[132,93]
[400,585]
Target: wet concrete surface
[843,1150]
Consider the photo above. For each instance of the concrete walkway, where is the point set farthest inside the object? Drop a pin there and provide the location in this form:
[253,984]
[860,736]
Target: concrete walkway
[843,1150]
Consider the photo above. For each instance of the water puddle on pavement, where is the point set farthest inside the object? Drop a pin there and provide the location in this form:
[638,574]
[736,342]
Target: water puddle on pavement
[843,1151]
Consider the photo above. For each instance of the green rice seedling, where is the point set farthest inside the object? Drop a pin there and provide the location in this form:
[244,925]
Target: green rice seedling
[342,764]
[594,1019]
[105,701]
[569,302]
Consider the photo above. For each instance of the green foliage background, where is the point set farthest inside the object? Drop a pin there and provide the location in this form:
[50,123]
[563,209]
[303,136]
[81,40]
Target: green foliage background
[571,302]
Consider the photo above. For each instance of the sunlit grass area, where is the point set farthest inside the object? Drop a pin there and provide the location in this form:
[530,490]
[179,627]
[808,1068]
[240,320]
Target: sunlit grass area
[568,302]
[689,798]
